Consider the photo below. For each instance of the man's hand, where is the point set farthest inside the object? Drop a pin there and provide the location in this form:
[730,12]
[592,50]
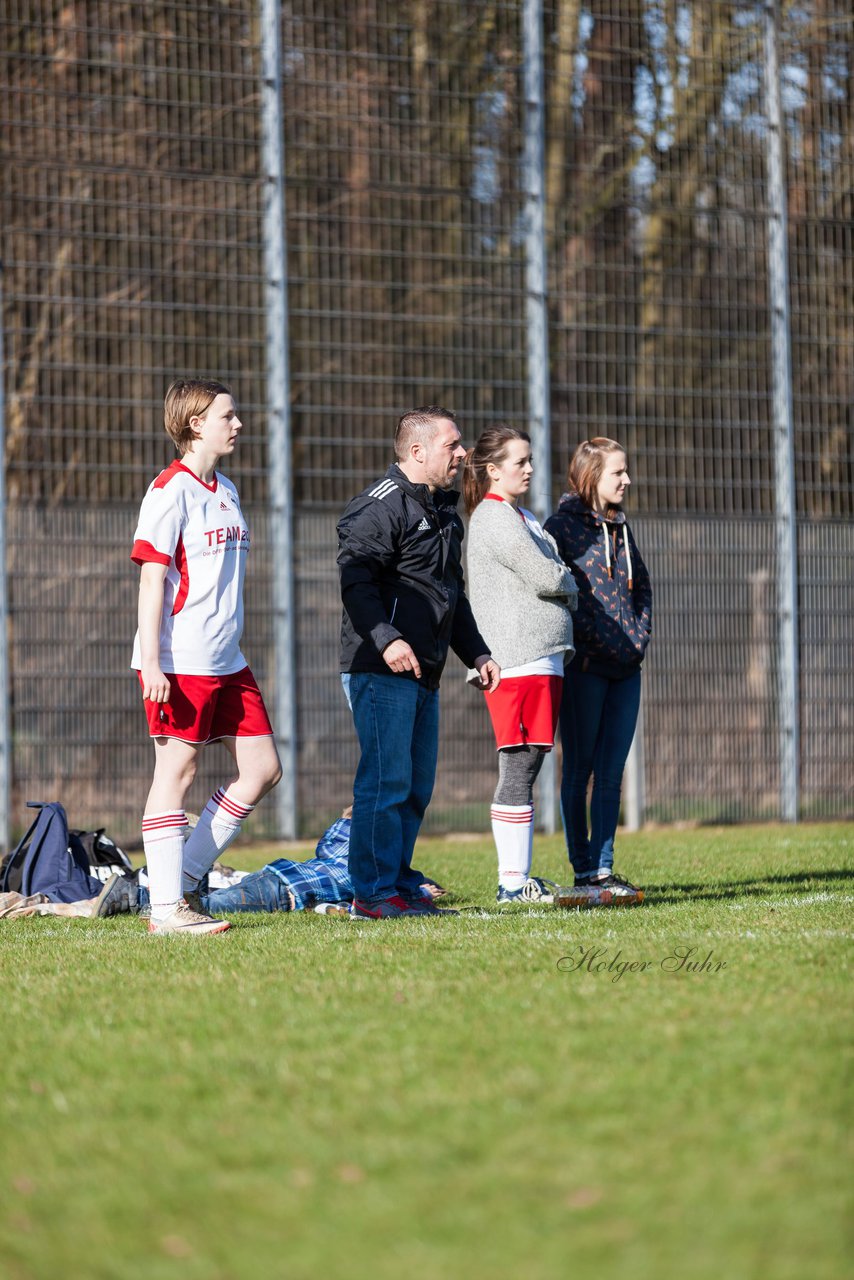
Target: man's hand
[399,657]
[489,671]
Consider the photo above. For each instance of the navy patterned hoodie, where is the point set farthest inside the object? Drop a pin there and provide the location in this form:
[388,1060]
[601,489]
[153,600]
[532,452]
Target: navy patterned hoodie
[613,622]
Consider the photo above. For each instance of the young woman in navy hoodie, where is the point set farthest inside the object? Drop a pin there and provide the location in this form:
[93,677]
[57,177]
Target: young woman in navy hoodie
[601,692]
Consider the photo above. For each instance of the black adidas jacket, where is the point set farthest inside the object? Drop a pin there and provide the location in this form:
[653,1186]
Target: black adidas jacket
[400,561]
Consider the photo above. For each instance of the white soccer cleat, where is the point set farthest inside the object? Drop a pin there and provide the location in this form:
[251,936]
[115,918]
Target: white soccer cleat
[187,921]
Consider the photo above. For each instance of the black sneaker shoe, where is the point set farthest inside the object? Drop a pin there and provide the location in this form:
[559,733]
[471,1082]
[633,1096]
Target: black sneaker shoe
[119,896]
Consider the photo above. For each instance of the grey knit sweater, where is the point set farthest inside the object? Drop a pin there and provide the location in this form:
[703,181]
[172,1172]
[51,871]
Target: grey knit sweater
[520,590]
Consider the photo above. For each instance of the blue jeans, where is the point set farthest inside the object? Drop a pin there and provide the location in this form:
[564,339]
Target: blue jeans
[261,891]
[397,723]
[597,724]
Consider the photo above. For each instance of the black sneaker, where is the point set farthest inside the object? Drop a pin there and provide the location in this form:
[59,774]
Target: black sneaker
[119,896]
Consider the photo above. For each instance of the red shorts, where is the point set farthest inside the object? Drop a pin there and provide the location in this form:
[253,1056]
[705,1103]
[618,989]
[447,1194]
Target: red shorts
[205,708]
[524,711]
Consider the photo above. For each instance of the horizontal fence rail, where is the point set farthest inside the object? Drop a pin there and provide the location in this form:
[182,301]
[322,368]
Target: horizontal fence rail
[135,248]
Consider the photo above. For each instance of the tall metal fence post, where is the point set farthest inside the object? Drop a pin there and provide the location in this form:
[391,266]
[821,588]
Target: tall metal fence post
[783,429]
[536,311]
[5,722]
[279,419]
[634,798]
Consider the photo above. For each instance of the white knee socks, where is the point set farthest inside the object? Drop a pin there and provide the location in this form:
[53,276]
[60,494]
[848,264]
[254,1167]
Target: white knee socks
[513,829]
[163,841]
[218,826]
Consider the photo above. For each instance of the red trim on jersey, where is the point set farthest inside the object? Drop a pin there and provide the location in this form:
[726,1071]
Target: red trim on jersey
[496,497]
[144,553]
[184,585]
[177,466]
[211,488]
[167,475]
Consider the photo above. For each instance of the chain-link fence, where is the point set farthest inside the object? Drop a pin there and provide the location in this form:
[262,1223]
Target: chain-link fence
[133,195]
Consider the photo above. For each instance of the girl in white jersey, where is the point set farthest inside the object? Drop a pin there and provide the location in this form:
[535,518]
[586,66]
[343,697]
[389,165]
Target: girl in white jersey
[191,543]
[522,595]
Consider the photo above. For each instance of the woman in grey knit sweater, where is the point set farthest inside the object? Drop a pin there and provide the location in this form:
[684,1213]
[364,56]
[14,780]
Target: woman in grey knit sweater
[522,595]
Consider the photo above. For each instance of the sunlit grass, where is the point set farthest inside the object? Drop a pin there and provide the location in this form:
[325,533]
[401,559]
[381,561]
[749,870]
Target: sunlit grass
[528,1094]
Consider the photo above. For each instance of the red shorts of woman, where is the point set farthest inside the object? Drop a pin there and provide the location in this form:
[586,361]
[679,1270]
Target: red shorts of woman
[206,708]
[524,711]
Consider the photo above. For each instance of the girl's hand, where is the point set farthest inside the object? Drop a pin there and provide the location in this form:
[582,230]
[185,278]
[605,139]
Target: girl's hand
[155,685]
[489,672]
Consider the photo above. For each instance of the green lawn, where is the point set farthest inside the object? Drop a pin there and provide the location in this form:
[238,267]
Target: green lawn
[315,1097]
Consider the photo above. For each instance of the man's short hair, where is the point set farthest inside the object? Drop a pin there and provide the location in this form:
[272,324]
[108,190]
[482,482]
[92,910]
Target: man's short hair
[418,425]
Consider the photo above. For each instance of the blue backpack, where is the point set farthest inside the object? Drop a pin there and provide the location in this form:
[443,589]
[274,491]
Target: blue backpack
[50,860]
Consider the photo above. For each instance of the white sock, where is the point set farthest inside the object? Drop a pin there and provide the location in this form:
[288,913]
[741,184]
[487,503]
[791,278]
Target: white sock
[219,824]
[163,841]
[512,828]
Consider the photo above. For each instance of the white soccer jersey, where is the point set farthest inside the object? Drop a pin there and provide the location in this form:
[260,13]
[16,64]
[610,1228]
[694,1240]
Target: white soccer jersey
[198,532]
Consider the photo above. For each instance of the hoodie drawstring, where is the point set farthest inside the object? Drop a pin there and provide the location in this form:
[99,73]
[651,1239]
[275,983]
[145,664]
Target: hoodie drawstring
[607,533]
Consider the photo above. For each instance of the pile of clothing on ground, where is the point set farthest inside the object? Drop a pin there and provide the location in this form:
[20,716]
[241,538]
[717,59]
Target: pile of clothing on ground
[59,871]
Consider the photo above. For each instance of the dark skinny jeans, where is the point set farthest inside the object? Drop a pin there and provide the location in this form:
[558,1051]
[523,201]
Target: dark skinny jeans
[597,724]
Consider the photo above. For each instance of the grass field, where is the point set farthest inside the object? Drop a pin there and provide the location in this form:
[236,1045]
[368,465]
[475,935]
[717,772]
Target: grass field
[493,1096]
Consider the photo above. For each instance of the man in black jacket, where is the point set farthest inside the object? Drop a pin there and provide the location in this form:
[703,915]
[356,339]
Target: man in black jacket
[400,560]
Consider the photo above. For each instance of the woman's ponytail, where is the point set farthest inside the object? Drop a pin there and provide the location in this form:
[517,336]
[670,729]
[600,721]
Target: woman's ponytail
[491,447]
